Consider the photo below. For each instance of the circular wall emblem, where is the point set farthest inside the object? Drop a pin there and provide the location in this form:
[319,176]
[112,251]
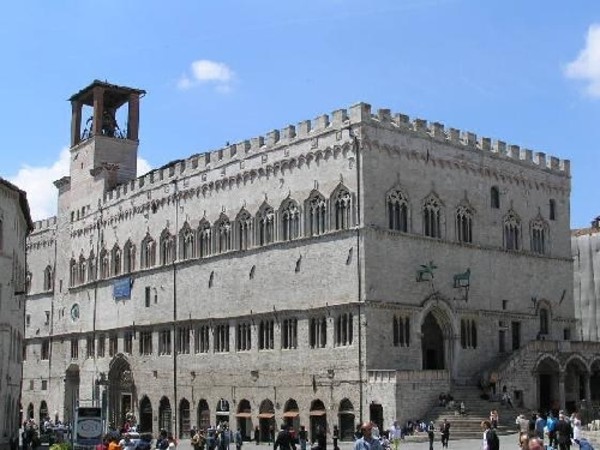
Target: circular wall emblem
[75,311]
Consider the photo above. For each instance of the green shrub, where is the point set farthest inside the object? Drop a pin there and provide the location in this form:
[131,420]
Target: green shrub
[61,446]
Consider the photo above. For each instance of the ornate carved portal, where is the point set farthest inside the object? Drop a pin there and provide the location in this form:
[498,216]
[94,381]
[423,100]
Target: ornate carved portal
[122,396]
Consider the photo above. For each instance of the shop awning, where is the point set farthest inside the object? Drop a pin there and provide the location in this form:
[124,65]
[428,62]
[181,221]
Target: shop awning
[347,411]
[291,414]
[222,413]
[266,415]
[243,415]
[317,412]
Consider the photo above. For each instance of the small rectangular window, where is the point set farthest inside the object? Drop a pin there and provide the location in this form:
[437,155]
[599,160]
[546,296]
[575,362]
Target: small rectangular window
[128,342]
[74,348]
[147,297]
[101,346]
[44,385]
[31,385]
[567,334]
[552,212]
[27,320]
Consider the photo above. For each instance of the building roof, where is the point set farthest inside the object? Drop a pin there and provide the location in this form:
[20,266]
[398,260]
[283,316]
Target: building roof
[23,203]
[115,97]
[584,231]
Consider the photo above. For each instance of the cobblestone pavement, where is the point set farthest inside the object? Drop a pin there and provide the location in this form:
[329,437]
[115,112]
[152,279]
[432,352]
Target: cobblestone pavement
[506,442]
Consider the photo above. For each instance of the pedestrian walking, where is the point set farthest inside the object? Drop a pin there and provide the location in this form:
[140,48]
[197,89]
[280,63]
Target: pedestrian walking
[445,430]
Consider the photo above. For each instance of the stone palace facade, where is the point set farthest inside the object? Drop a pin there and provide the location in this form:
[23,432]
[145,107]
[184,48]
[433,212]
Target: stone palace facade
[347,268]
[15,224]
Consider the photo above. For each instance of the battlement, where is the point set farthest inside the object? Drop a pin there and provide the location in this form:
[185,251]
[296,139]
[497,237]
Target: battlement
[358,114]
[43,224]
[466,139]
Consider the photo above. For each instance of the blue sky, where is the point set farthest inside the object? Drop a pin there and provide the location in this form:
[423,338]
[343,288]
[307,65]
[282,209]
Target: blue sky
[526,72]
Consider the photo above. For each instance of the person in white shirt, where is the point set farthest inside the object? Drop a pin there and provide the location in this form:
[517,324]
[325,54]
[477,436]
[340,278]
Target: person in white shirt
[395,434]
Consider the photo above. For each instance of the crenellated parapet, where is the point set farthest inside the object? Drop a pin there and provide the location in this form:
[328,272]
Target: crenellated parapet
[466,140]
[45,224]
[266,153]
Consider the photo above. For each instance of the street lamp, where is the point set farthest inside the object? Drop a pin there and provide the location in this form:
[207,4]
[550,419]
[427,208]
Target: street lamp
[102,398]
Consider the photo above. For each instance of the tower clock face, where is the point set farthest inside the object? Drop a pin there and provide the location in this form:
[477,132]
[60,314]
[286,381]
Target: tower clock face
[75,312]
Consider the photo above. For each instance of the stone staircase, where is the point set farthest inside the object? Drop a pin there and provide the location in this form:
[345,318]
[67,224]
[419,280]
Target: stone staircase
[468,426]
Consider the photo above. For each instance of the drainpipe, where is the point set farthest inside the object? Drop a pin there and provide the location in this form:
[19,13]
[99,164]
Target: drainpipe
[175,242]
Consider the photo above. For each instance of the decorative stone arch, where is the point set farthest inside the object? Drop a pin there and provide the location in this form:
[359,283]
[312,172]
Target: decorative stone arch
[547,370]
[543,309]
[266,420]
[318,418]
[398,210]
[342,203]
[291,414]
[576,377]
[222,411]
[145,408]
[71,393]
[316,216]
[244,418]
[438,334]
[203,414]
[432,216]
[121,389]
[165,415]
[184,418]
[43,412]
[243,230]
[346,419]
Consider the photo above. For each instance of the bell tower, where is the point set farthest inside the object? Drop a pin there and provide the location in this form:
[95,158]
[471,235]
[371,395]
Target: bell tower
[103,149]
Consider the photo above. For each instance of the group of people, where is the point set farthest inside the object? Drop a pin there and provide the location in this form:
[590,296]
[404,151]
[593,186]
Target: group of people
[556,431]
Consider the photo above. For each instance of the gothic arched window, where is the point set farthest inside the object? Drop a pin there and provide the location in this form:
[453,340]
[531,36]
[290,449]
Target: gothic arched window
[432,217]
[342,208]
[73,272]
[92,267]
[539,231]
[464,224]
[167,248]
[244,230]
[187,242]
[544,321]
[512,231]
[290,220]
[148,252]
[223,234]
[48,278]
[128,257]
[204,239]
[316,214]
[104,264]
[115,256]
[265,223]
[82,269]
[495,197]
[397,206]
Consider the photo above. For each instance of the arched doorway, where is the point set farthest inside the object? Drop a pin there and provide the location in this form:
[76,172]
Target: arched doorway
[266,421]
[244,418]
[203,415]
[222,411]
[595,381]
[318,418]
[43,412]
[575,377]
[346,420]
[184,419]
[432,343]
[71,392]
[30,412]
[145,424]
[164,415]
[376,414]
[291,414]
[121,390]
[547,371]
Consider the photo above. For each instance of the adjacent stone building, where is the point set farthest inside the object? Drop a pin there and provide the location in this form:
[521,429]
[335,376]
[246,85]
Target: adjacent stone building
[585,244]
[15,224]
[350,267]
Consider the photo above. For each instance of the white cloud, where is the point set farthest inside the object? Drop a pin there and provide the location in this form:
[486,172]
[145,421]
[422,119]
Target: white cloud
[587,64]
[38,181]
[204,71]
